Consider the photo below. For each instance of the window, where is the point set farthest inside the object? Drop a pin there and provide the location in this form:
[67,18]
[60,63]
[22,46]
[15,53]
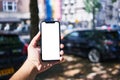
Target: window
[9,6]
[112,35]
[73,36]
[86,34]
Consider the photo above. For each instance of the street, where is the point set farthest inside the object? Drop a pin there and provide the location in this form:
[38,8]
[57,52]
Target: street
[76,68]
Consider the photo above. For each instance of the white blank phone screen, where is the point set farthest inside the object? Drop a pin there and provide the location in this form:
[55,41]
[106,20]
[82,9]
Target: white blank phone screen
[50,41]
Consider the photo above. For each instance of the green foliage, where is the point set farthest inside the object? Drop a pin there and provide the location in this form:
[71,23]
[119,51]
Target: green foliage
[98,5]
[91,4]
[88,7]
[114,1]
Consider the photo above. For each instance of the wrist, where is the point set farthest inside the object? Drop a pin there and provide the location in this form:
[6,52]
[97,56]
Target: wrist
[33,67]
[28,70]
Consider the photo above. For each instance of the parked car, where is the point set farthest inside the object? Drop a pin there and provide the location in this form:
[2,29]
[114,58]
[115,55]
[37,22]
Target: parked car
[96,45]
[13,53]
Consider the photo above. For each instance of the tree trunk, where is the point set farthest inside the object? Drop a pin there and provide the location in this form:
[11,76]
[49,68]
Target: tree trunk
[93,21]
[34,18]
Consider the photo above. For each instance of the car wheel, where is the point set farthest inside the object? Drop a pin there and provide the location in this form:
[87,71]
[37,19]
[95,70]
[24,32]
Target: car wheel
[94,55]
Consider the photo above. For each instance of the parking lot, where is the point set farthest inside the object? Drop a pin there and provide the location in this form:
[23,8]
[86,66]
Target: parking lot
[76,68]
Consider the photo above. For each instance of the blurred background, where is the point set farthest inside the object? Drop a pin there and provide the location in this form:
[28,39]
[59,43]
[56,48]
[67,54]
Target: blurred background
[21,18]
[71,13]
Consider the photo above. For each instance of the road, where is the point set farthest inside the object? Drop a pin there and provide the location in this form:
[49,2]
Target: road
[76,68]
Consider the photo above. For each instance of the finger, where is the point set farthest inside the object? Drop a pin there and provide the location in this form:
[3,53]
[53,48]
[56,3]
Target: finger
[62,59]
[61,37]
[61,46]
[61,52]
[35,39]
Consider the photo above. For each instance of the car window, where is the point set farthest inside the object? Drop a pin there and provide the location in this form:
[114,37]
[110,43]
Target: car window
[99,35]
[9,39]
[73,35]
[85,34]
[107,35]
[111,35]
[1,39]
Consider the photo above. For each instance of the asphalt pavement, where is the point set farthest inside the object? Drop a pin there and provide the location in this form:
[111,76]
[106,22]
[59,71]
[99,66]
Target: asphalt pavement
[77,68]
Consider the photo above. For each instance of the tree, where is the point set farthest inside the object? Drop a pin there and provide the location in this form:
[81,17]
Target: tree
[92,6]
[114,1]
[34,18]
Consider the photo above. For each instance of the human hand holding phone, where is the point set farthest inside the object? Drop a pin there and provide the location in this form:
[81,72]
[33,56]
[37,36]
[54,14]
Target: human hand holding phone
[34,56]
[33,64]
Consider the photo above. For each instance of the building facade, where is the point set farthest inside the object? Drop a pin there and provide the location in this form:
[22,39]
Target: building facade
[66,11]
[14,8]
[109,13]
[73,12]
[13,12]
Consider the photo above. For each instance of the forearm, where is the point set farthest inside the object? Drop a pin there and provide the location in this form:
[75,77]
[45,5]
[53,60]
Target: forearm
[28,71]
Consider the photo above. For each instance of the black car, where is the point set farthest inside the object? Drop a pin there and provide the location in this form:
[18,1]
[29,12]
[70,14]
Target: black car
[96,45]
[13,53]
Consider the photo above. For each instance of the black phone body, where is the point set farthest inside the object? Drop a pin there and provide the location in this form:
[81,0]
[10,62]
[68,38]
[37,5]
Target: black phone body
[50,40]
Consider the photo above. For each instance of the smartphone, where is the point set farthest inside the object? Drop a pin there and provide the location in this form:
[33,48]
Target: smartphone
[50,40]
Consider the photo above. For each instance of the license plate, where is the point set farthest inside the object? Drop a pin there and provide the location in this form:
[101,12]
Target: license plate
[6,71]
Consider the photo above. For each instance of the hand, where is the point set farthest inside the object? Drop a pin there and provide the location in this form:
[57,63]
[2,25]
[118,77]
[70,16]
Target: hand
[35,58]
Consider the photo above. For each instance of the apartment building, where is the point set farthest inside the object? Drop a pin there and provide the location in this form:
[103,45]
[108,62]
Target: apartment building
[109,13]
[73,12]
[13,12]
[14,9]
